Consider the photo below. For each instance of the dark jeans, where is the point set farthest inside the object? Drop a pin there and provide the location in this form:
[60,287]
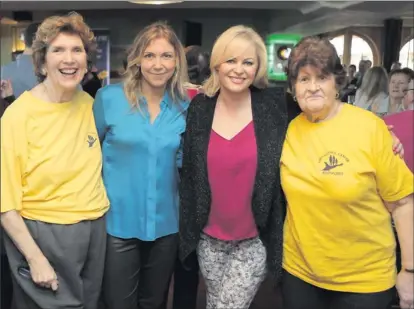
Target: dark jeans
[186,283]
[138,273]
[298,294]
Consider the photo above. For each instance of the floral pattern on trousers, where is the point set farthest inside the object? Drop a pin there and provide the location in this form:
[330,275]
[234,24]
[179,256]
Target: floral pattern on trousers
[232,271]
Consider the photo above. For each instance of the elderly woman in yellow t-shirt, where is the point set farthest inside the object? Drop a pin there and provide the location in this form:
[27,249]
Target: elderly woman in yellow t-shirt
[53,199]
[343,184]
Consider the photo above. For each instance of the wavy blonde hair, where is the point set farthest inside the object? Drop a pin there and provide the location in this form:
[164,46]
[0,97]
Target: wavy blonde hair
[374,83]
[222,52]
[50,28]
[133,75]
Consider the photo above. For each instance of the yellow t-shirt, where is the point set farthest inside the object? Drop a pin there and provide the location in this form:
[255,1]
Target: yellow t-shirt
[338,234]
[51,161]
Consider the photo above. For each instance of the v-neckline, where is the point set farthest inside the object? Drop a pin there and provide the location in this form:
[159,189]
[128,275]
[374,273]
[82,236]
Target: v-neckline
[234,136]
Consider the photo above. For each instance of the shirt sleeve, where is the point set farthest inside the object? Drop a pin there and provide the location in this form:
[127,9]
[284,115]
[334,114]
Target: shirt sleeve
[12,164]
[99,115]
[394,179]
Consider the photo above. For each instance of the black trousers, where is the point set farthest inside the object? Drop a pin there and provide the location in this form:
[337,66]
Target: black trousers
[138,273]
[75,251]
[186,283]
[298,294]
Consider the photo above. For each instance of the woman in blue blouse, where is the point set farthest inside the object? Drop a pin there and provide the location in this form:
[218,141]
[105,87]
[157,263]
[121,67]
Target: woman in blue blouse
[140,123]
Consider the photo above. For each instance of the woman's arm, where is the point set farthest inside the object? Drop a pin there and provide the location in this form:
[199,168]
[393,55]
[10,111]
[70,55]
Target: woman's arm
[403,215]
[15,227]
[12,163]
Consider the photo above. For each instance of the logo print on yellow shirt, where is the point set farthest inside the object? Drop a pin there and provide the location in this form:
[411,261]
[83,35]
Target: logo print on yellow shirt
[91,140]
[331,161]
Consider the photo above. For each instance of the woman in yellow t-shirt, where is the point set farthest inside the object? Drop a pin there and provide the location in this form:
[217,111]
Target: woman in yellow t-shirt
[343,184]
[53,199]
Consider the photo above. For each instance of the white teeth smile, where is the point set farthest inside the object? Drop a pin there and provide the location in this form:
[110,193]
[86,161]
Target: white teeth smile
[68,71]
[237,80]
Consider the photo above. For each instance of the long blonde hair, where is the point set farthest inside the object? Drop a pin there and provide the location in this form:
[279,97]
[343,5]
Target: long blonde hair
[133,75]
[220,54]
[374,83]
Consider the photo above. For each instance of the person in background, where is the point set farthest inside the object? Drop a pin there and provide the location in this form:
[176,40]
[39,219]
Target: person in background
[373,93]
[186,280]
[349,90]
[409,73]
[91,82]
[351,80]
[339,246]
[368,65]
[140,123]
[231,210]
[21,72]
[198,69]
[362,68]
[6,94]
[408,101]
[198,64]
[403,124]
[396,66]
[53,199]
[398,84]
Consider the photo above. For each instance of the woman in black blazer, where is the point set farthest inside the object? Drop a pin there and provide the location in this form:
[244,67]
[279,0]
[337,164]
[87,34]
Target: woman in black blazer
[236,245]
[234,257]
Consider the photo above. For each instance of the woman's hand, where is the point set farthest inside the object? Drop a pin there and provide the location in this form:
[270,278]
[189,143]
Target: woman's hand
[405,288]
[397,147]
[43,274]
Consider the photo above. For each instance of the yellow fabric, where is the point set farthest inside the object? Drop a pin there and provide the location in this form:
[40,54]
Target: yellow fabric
[338,233]
[51,161]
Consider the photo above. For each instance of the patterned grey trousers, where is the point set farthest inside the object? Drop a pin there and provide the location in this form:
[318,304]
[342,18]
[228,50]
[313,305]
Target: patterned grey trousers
[232,271]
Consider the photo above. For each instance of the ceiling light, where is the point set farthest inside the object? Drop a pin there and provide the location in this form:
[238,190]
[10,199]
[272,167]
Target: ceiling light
[155,2]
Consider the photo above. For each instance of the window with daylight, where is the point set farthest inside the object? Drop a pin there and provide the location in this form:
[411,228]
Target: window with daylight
[407,54]
[339,42]
[359,49]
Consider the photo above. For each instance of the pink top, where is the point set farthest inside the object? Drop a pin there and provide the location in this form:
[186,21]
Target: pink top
[403,123]
[231,166]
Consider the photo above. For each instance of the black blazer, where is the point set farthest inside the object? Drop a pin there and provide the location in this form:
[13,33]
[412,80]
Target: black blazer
[270,118]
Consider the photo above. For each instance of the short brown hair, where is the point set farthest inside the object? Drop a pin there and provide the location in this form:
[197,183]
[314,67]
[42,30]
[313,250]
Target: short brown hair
[50,28]
[406,71]
[317,52]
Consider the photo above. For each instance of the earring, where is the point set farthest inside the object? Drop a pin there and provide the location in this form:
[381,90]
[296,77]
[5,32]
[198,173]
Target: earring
[337,95]
[294,98]
[44,72]
[86,71]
